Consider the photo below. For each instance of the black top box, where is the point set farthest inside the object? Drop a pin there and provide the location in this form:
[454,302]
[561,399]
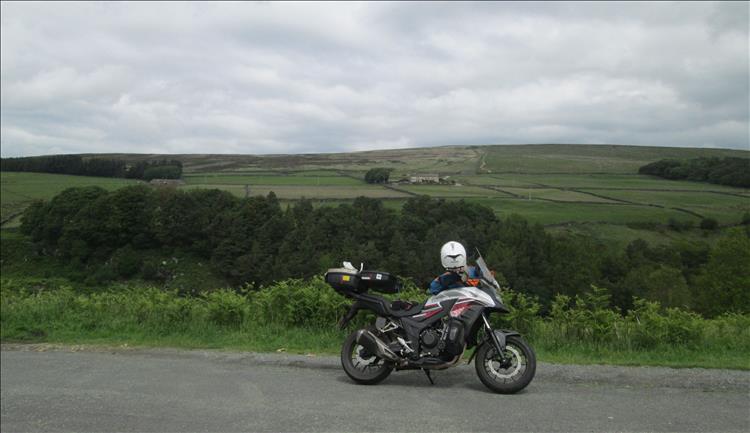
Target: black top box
[343,279]
[380,281]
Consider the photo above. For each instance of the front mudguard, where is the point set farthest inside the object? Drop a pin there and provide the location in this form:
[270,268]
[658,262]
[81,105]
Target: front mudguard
[498,338]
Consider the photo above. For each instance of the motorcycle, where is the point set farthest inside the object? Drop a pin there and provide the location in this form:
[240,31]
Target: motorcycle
[432,335]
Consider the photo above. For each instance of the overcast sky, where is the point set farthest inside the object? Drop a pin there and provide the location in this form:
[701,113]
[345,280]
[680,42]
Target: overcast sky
[329,77]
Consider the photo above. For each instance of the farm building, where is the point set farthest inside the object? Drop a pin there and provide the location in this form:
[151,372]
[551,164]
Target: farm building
[424,178]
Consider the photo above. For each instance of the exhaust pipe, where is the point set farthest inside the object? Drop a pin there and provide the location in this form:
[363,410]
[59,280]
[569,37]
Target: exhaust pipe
[375,345]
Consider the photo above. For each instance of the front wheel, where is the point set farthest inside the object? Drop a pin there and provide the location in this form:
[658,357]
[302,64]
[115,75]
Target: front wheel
[361,366]
[508,375]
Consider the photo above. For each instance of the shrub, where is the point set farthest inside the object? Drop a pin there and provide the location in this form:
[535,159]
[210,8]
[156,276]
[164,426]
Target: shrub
[709,224]
[126,262]
[650,327]
[524,312]
[226,307]
[679,225]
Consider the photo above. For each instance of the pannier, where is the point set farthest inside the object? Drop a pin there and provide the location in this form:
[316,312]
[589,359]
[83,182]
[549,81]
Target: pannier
[380,281]
[343,279]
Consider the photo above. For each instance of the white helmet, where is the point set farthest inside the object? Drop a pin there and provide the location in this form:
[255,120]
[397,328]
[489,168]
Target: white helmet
[453,256]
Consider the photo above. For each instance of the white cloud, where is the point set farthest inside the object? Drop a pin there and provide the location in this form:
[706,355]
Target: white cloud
[323,77]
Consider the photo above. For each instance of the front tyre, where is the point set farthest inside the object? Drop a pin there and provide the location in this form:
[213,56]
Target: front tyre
[510,375]
[360,366]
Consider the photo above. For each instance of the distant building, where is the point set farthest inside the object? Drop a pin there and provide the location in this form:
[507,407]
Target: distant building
[424,178]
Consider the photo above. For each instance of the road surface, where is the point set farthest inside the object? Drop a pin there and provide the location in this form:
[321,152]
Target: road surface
[96,389]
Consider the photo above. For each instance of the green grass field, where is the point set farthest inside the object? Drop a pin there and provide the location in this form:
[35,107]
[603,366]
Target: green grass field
[598,181]
[447,191]
[548,184]
[18,190]
[550,213]
[555,194]
[308,191]
[727,209]
[555,158]
[223,179]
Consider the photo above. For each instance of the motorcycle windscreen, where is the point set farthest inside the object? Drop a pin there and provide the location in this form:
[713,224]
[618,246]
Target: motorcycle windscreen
[486,273]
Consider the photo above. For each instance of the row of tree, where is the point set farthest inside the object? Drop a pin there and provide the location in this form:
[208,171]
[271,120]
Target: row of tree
[254,240]
[724,171]
[77,165]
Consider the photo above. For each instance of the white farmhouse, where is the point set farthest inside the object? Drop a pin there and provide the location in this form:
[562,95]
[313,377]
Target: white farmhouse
[424,178]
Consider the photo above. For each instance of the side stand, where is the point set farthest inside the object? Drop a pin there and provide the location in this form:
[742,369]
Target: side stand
[429,376]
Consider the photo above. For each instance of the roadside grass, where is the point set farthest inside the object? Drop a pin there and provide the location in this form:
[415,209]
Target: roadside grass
[300,317]
[267,338]
[667,356]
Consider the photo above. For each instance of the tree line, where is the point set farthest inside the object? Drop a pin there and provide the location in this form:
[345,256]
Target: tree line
[255,241]
[724,171]
[77,165]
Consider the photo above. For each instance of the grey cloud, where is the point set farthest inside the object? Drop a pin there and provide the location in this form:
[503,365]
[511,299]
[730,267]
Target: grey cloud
[312,77]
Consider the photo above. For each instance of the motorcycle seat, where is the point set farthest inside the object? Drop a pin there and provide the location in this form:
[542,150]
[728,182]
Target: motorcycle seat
[401,308]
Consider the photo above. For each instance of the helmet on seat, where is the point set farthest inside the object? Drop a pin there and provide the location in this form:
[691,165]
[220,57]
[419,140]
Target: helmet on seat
[453,256]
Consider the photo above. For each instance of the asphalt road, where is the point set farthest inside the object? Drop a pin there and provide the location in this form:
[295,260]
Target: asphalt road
[64,389]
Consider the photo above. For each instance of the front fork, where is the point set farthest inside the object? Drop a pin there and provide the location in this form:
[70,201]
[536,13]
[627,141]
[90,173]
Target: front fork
[498,340]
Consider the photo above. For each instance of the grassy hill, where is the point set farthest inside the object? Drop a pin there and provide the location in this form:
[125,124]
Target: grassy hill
[588,189]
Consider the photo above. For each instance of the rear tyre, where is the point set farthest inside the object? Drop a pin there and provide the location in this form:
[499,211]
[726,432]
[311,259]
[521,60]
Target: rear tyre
[512,374]
[362,367]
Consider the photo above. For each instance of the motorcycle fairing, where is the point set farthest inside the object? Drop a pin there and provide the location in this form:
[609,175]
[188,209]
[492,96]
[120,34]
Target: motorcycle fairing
[461,293]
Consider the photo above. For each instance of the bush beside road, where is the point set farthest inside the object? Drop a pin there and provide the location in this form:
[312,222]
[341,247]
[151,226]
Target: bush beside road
[299,316]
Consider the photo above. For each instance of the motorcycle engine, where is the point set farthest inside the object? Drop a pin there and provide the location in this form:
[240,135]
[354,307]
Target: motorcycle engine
[446,342]
[428,342]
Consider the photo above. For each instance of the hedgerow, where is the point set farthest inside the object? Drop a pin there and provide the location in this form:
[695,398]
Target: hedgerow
[33,310]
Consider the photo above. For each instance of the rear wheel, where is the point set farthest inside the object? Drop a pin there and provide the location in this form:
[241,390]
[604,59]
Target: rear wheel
[508,374]
[360,365]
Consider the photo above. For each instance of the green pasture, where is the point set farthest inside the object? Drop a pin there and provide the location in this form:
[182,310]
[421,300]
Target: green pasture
[450,190]
[618,236]
[18,190]
[308,191]
[555,158]
[604,181]
[490,180]
[546,212]
[555,194]
[724,208]
[224,179]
